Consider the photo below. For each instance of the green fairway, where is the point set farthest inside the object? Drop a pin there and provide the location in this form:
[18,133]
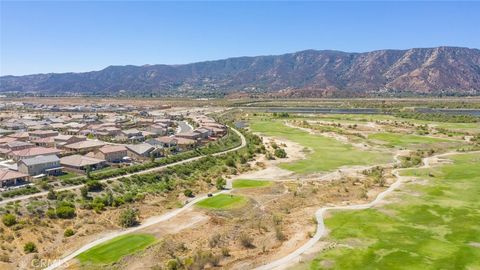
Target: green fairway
[359,118]
[427,226]
[111,251]
[404,140]
[223,201]
[246,183]
[328,154]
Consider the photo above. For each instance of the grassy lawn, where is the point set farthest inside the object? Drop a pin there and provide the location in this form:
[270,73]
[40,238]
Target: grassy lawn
[428,226]
[67,175]
[223,201]
[246,183]
[327,154]
[405,140]
[111,251]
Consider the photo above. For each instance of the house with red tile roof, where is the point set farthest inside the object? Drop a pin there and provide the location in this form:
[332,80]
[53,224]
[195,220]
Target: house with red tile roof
[33,152]
[10,178]
[111,153]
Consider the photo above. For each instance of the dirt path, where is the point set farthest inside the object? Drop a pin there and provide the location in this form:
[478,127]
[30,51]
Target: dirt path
[288,260]
[41,194]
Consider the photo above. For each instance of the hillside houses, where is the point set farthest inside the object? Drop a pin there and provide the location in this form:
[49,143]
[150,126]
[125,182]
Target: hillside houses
[11,178]
[111,153]
[32,152]
[79,163]
[47,165]
[143,151]
[55,139]
[84,146]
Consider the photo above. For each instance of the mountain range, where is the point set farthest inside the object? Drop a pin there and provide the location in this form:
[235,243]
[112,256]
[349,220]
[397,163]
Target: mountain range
[310,73]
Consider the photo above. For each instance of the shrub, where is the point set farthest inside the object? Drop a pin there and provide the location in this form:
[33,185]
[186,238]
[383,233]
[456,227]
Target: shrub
[84,192]
[128,218]
[279,234]
[172,265]
[188,193]
[9,220]
[65,211]
[68,232]
[4,258]
[51,195]
[94,185]
[30,247]
[225,252]
[280,153]
[246,240]
[220,184]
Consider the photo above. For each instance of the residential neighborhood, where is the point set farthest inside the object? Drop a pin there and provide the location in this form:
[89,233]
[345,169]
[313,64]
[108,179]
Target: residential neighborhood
[50,141]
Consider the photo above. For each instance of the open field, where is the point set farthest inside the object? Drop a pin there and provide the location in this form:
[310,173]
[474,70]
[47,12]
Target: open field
[326,153]
[433,225]
[116,248]
[223,201]
[247,183]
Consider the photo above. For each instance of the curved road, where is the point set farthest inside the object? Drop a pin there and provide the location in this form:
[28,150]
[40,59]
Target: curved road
[184,127]
[41,194]
[320,213]
[152,220]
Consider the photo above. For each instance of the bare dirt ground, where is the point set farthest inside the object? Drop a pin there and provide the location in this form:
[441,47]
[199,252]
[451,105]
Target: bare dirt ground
[271,171]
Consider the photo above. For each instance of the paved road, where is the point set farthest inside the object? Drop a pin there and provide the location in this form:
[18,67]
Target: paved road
[41,194]
[150,221]
[184,127]
[320,213]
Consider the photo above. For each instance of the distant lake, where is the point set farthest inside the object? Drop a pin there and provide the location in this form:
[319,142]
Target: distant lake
[472,112]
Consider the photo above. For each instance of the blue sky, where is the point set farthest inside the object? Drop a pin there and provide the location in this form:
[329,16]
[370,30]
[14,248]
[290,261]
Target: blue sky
[42,37]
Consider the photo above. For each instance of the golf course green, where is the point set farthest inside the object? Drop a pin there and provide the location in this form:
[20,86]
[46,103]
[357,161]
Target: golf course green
[405,140]
[113,250]
[427,225]
[247,183]
[327,154]
[223,201]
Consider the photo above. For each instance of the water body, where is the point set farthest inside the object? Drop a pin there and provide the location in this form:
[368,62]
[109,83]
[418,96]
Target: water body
[450,111]
[320,110]
[313,110]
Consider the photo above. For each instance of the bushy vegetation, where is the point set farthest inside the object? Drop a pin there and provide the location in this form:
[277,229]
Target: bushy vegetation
[30,247]
[20,191]
[68,232]
[9,220]
[439,117]
[280,153]
[128,218]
